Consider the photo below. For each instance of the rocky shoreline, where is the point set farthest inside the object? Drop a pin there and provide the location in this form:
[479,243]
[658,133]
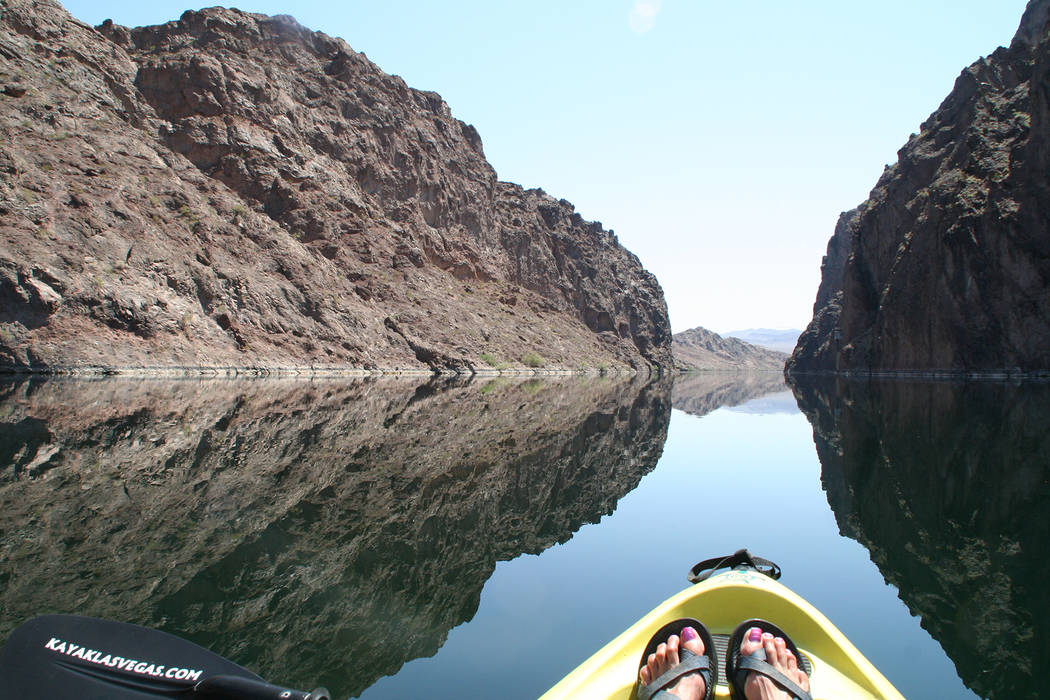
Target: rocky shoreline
[930,374]
[305,371]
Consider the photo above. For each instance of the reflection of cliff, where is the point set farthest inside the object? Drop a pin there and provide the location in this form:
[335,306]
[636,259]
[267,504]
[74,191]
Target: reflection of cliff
[946,485]
[299,527]
[700,393]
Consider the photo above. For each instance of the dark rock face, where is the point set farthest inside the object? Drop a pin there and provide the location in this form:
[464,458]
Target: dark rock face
[290,525]
[822,336]
[945,484]
[946,267]
[701,349]
[232,189]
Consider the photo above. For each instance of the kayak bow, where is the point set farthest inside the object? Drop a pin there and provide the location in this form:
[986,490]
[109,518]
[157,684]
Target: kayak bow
[722,600]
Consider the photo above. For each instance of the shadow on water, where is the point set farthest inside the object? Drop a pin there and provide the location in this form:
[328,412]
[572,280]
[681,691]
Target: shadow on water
[946,485]
[297,527]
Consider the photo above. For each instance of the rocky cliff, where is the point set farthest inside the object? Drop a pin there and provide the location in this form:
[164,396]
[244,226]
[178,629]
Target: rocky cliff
[701,349]
[945,484]
[946,267]
[231,189]
[291,525]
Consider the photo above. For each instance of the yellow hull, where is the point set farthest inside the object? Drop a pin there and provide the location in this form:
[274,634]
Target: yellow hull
[840,671]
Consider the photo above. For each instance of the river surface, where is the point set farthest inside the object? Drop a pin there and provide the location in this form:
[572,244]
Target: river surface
[390,539]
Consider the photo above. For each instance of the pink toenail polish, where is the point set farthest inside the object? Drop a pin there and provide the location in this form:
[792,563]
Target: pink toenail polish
[689,634]
[755,635]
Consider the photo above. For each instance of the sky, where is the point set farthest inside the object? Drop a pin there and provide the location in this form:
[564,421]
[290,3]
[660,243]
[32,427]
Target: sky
[719,140]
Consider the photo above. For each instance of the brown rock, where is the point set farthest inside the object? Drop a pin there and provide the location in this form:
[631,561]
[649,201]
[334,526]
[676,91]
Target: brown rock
[232,189]
[701,349]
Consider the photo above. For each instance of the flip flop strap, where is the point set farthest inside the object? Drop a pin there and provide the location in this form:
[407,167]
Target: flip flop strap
[757,665]
[688,663]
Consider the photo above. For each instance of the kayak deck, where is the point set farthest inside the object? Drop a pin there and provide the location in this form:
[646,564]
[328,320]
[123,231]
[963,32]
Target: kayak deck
[838,669]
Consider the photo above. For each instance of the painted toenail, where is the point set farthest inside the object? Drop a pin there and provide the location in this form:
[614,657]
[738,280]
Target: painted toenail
[689,634]
[755,635]
[767,635]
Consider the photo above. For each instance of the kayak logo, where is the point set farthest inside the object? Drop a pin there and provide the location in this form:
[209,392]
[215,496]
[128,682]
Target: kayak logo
[142,668]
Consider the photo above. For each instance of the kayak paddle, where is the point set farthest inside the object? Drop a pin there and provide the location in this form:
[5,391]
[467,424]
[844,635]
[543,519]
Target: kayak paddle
[69,657]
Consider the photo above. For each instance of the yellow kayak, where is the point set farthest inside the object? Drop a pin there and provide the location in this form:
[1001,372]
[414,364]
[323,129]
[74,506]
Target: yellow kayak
[837,670]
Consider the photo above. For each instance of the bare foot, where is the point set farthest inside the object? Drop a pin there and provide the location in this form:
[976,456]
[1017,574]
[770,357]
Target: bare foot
[689,687]
[757,686]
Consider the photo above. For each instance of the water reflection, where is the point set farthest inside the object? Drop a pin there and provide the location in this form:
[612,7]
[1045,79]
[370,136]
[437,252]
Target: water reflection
[947,486]
[299,527]
[699,393]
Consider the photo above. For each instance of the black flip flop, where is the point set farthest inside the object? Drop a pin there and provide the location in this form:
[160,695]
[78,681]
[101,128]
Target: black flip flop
[737,667]
[705,664]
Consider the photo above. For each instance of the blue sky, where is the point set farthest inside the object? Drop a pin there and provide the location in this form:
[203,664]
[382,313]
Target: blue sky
[720,140]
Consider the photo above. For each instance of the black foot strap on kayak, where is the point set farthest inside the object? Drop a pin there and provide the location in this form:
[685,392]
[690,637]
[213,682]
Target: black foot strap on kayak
[740,559]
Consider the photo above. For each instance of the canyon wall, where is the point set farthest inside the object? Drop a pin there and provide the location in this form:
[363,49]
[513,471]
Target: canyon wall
[946,267]
[235,190]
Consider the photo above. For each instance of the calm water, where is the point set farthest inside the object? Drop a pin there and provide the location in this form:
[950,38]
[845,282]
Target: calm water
[394,540]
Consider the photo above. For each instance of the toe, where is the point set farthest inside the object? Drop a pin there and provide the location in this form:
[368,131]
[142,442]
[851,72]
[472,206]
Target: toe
[661,660]
[672,650]
[752,641]
[781,650]
[770,647]
[795,672]
[803,680]
[691,640]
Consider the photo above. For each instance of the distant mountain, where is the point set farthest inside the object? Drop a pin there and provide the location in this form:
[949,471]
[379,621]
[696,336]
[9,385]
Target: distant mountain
[781,340]
[700,349]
